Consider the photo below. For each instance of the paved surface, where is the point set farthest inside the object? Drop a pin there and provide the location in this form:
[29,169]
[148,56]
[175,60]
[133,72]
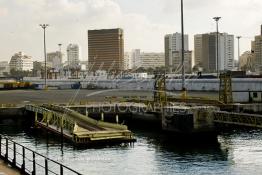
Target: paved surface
[6,170]
[65,96]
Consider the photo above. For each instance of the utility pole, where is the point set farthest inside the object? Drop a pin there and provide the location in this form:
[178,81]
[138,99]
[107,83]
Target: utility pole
[183,49]
[217,61]
[238,38]
[44,26]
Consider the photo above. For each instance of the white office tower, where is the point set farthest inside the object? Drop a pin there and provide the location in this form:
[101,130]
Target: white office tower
[135,59]
[73,55]
[21,62]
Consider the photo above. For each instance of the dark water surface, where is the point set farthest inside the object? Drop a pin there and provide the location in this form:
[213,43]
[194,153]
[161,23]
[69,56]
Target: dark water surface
[236,152]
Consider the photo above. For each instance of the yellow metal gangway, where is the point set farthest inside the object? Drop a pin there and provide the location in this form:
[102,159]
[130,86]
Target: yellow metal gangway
[76,127]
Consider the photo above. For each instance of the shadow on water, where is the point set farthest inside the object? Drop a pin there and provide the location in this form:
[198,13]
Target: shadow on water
[179,146]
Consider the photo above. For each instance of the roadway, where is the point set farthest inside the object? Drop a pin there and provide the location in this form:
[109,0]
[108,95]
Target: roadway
[66,96]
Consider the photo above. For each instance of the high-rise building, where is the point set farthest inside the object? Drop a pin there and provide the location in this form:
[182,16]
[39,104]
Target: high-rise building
[177,66]
[246,61]
[135,58]
[258,53]
[206,51]
[73,55]
[55,58]
[106,49]
[127,61]
[4,68]
[21,62]
[173,44]
[151,60]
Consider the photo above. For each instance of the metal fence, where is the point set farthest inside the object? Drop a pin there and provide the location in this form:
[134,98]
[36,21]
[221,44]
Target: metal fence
[30,162]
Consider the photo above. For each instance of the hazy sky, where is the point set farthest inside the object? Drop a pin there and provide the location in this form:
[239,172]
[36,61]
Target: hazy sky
[145,22]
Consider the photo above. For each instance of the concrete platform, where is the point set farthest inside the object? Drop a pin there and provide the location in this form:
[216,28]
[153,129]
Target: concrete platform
[23,97]
[6,170]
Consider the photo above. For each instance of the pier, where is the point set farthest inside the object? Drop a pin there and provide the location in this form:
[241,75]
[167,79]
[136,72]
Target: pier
[76,127]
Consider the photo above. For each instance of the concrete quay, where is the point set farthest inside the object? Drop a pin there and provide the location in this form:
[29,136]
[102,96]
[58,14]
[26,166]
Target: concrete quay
[5,169]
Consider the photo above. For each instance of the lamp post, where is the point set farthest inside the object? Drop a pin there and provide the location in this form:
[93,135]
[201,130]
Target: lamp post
[238,38]
[183,49]
[217,19]
[44,26]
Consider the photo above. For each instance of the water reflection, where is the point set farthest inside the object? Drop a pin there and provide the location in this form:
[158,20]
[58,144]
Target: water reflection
[154,153]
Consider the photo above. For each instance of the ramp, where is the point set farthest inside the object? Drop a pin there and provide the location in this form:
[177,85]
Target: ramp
[76,127]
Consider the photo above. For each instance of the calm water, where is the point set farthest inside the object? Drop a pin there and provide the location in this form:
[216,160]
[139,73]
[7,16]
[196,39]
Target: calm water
[237,152]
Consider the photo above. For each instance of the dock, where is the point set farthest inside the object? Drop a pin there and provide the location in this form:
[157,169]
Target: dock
[76,127]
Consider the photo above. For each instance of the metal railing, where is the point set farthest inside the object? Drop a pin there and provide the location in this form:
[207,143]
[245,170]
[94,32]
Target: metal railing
[30,162]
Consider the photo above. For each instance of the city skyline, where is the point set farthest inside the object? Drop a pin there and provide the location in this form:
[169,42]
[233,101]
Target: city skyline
[144,22]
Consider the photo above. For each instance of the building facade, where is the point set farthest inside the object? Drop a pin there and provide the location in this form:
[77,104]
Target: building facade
[246,61]
[106,50]
[21,62]
[73,55]
[4,68]
[205,54]
[257,46]
[135,58]
[55,59]
[152,60]
[177,65]
[127,60]
[173,44]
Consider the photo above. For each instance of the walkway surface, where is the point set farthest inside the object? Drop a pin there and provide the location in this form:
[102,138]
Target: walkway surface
[66,96]
[6,170]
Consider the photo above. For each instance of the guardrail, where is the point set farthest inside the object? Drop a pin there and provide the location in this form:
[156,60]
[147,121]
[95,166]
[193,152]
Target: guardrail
[30,162]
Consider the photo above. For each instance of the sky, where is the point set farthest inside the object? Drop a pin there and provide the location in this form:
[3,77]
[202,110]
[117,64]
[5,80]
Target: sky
[145,22]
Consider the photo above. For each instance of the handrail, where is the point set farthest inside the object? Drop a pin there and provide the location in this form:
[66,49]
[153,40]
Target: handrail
[13,146]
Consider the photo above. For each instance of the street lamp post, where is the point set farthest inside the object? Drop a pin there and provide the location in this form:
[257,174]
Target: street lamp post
[238,38]
[44,26]
[217,19]
[183,49]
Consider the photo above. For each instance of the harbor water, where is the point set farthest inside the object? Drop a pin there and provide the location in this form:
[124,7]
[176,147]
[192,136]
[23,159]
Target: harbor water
[235,152]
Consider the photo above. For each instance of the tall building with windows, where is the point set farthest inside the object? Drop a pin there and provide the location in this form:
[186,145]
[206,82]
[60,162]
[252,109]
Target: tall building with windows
[21,62]
[177,68]
[173,43]
[206,51]
[257,46]
[73,55]
[106,49]
[151,60]
[127,61]
[4,68]
[135,58]
[55,59]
